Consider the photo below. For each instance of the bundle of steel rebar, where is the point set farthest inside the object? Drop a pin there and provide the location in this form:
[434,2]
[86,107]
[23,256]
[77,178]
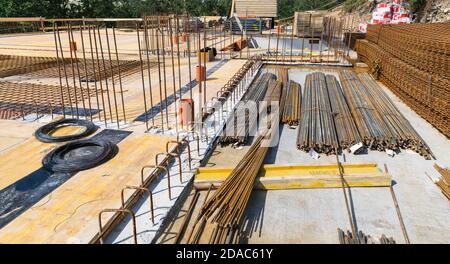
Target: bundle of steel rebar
[291,107]
[317,129]
[401,130]
[371,127]
[347,132]
[240,125]
[275,88]
[223,211]
[444,180]
[283,75]
[362,238]
[220,217]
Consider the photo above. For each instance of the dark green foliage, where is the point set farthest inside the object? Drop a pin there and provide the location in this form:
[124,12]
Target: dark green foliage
[135,8]
[417,5]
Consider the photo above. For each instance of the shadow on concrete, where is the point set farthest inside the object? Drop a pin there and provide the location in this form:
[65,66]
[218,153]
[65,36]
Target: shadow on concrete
[253,218]
[271,155]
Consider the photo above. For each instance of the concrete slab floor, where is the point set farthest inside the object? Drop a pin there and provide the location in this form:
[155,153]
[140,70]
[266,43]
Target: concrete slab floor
[313,215]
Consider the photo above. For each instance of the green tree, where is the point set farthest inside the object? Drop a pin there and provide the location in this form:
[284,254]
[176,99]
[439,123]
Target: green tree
[135,8]
[34,8]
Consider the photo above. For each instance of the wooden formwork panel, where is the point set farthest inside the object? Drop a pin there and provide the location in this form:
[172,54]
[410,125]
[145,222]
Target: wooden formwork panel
[301,176]
[15,132]
[309,23]
[26,156]
[69,214]
[257,8]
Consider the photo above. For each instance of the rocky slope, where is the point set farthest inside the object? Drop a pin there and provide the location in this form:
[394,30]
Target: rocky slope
[434,11]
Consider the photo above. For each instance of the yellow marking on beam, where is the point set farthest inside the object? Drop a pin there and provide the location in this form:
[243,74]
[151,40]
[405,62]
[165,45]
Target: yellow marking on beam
[323,181]
[270,170]
[272,177]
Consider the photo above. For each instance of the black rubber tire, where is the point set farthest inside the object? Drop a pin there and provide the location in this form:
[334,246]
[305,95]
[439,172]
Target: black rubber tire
[57,161]
[43,133]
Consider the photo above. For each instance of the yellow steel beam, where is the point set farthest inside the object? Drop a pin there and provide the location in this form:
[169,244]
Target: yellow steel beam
[272,177]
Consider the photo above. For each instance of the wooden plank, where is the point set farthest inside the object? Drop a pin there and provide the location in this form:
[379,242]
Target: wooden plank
[14,132]
[274,177]
[70,213]
[256,8]
[26,156]
[309,182]
[21,19]
[304,22]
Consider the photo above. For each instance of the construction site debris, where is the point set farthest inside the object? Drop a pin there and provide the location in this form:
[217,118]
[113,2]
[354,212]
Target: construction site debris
[237,45]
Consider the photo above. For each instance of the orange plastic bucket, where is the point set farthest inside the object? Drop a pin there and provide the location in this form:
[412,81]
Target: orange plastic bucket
[175,39]
[280,29]
[186,111]
[200,73]
[73,46]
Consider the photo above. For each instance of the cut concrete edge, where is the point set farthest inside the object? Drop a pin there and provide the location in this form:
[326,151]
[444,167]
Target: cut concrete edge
[177,206]
[173,211]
